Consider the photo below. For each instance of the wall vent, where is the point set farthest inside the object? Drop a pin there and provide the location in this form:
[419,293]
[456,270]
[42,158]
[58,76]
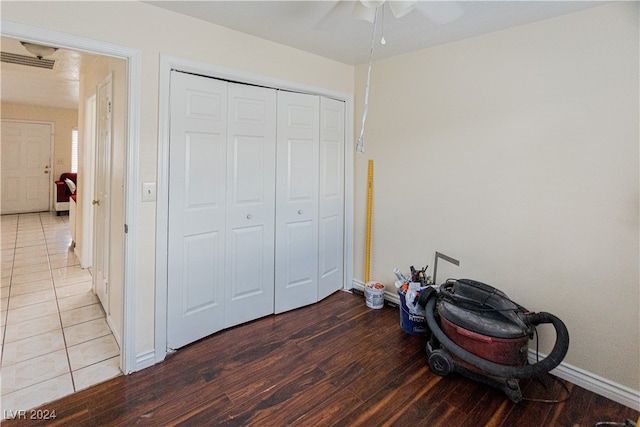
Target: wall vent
[29,61]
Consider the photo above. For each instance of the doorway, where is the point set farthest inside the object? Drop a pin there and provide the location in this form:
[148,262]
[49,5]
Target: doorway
[50,312]
[127,210]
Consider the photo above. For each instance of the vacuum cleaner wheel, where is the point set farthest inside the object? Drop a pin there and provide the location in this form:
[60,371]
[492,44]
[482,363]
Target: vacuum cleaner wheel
[440,362]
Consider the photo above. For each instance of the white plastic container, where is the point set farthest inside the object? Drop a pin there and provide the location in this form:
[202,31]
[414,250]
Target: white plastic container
[374,294]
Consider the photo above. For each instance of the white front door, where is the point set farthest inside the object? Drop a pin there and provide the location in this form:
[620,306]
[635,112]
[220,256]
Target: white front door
[101,195]
[331,198]
[251,174]
[297,201]
[26,180]
[197,208]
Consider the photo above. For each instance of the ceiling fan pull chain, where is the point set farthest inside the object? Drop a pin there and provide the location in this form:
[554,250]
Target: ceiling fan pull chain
[382,40]
[360,144]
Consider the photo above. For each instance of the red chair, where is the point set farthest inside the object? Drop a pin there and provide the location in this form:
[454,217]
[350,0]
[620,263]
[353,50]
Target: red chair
[63,189]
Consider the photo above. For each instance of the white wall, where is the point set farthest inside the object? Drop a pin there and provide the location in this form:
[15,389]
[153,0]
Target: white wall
[518,154]
[154,31]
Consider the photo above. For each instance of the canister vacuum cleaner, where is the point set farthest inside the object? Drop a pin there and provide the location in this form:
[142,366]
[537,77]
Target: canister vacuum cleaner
[477,331]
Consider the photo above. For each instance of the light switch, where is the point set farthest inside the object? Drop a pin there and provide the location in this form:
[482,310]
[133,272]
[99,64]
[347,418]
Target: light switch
[148,191]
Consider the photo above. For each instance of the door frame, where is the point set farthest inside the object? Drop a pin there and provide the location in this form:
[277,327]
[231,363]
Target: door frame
[52,177]
[128,359]
[169,63]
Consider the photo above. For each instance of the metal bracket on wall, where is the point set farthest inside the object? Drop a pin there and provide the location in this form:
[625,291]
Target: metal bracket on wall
[446,258]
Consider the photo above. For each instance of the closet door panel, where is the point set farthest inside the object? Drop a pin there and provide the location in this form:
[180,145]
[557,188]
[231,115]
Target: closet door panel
[197,198]
[297,201]
[250,254]
[331,197]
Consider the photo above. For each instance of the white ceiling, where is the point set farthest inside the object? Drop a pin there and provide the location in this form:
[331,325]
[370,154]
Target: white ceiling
[58,87]
[327,28]
[322,27]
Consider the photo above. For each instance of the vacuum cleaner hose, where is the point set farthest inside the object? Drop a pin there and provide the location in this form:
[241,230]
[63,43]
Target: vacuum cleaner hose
[504,371]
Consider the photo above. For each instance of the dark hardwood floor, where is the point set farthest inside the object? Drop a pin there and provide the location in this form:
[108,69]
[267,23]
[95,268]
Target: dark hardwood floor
[334,363]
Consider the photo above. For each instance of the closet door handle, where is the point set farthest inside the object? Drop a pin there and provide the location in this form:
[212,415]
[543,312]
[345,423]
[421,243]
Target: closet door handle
[249,216]
[300,212]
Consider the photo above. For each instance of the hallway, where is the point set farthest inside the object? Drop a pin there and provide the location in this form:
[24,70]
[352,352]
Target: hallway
[53,333]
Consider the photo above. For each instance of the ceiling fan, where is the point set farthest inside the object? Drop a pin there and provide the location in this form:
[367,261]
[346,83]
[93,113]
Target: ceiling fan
[439,12]
[366,9]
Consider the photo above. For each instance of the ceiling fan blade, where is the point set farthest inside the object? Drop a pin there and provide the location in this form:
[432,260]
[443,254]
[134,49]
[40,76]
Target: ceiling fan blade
[372,3]
[399,8]
[441,12]
[362,11]
[333,16]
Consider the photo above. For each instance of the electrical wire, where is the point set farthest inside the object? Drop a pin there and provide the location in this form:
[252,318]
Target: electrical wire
[552,401]
[562,383]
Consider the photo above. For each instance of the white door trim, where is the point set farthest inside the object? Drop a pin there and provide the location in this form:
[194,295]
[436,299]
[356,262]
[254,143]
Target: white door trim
[133,57]
[168,63]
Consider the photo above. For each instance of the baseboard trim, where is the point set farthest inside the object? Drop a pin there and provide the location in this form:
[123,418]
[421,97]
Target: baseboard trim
[145,360]
[595,383]
[587,380]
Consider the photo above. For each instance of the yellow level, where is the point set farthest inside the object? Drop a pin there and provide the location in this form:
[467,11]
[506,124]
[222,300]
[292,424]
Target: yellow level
[367,249]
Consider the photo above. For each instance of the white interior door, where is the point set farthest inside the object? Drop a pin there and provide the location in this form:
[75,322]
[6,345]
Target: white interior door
[297,201]
[101,197]
[88,182]
[331,197]
[26,180]
[251,174]
[197,198]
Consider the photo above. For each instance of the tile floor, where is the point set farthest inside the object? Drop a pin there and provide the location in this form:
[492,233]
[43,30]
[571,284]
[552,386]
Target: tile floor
[53,333]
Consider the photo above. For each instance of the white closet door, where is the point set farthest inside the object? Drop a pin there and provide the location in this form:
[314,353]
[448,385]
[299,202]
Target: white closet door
[331,197]
[297,201]
[251,160]
[196,235]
